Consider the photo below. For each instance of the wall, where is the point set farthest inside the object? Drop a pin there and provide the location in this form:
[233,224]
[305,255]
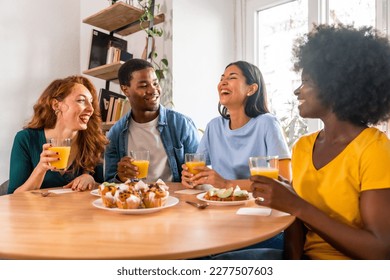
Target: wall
[203,44]
[40,42]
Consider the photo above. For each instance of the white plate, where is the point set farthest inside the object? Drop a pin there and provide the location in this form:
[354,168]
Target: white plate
[95,192]
[224,203]
[171,201]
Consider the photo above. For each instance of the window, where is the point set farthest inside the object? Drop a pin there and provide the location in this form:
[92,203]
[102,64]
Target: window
[271,27]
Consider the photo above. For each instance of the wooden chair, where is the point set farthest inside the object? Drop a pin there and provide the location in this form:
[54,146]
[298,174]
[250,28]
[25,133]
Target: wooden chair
[4,188]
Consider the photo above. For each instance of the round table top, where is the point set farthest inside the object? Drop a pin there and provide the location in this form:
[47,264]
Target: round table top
[69,226]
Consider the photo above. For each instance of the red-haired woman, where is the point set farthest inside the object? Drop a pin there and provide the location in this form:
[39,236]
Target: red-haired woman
[68,108]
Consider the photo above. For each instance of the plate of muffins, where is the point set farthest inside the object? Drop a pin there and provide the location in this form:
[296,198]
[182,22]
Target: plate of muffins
[134,197]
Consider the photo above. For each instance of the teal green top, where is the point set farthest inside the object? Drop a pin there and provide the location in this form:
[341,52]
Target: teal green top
[25,156]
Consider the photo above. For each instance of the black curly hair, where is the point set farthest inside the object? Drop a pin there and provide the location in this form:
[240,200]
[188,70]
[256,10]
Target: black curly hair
[351,68]
[256,104]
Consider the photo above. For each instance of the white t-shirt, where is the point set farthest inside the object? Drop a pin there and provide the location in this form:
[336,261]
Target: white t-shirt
[145,136]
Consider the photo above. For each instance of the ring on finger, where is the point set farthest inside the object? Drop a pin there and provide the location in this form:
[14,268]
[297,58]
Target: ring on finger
[261,199]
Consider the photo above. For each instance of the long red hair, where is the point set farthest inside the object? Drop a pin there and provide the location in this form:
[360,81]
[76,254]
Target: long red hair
[92,141]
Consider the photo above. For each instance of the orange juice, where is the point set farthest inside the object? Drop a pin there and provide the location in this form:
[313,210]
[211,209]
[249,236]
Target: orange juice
[143,166]
[263,171]
[192,164]
[63,154]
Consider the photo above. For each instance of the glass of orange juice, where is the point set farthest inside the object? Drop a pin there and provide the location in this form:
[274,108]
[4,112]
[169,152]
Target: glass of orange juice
[141,159]
[195,160]
[62,147]
[265,166]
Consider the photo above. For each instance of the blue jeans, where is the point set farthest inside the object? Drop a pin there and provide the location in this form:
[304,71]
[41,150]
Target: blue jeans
[251,254]
[276,242]
[270,249]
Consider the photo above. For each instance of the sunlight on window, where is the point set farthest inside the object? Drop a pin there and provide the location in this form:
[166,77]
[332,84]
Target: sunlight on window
[278,27]
[355,12]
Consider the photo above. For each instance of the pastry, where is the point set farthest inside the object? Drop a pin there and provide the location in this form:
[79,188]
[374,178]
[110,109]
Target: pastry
[131,195]
[128,198]
[156,195]
[229,194]
[107,192]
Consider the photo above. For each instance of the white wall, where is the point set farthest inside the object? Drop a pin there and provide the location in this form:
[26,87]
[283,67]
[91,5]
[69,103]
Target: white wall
[39,43]
[203,44]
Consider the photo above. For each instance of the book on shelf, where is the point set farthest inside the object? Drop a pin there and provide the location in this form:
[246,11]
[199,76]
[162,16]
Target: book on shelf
[106,49]
[115,55]
[111,105]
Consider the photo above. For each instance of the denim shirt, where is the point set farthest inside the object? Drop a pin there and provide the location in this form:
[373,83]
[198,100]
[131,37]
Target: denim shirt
[179,135]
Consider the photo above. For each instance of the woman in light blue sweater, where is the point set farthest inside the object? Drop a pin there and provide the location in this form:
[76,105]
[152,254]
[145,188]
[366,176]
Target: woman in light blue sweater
[244,129]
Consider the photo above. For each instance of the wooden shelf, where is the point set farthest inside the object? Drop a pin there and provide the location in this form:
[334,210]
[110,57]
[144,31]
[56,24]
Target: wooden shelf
[108,72]
[136,27]
[118,16]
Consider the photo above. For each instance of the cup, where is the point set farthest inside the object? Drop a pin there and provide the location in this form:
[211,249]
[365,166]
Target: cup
[62,147]
[195,160]
[265,166]
[141,160]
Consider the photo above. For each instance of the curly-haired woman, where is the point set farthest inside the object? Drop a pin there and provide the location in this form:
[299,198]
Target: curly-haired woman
[341,173]
[341,180]
[67,108]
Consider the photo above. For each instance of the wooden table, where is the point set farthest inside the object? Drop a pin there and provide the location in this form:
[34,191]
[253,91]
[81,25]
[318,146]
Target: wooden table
[68,226]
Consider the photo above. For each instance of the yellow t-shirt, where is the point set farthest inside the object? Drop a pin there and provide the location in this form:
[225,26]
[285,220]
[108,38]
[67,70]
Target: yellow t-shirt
[335,188]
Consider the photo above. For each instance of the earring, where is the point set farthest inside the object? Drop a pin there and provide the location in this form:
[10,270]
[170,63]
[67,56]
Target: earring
[248,94]
[56,111]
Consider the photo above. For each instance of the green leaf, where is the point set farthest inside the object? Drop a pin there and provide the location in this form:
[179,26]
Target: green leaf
[164,61]
[160,74]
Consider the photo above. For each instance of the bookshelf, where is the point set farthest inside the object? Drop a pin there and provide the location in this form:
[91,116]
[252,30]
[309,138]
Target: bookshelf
[122,19]
[106,72]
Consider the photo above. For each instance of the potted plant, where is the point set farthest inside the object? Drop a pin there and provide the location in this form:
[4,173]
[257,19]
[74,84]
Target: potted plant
[148,7]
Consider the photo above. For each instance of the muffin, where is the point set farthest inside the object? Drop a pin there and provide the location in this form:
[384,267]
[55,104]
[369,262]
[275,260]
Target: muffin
[107,192]
[155,195]
[127,197]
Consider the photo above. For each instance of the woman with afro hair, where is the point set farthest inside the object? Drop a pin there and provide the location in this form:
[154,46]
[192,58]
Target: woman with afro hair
[341,181]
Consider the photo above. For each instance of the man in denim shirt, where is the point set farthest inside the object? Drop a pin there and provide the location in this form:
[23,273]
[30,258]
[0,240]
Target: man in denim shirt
[167,134]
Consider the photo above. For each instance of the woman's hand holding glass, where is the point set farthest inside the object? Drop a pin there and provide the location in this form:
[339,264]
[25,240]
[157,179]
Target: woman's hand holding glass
[274,193]
[190,180]
[47,156]
[205,175]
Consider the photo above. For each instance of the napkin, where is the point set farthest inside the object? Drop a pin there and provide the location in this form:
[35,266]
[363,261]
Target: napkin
[60,191]
[189,191]
[196,190]
[263,211]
